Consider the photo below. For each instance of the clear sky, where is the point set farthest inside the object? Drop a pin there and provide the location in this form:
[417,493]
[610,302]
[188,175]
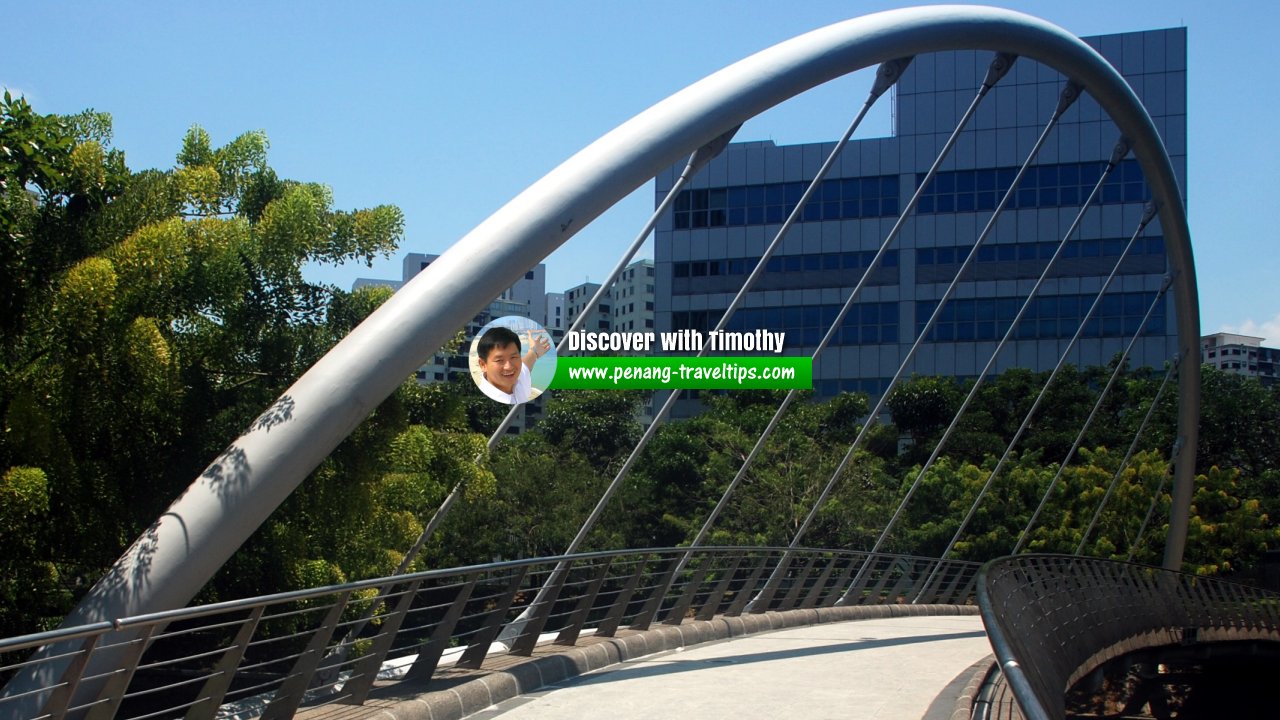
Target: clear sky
[449,109]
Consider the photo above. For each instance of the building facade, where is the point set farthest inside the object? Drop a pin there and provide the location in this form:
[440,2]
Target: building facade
[633,298]
[720,227]
[575,301]
[557,320]
[1241,355]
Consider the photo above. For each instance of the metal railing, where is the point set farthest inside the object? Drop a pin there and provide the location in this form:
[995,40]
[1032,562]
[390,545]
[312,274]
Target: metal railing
[1052,619]
[272,655]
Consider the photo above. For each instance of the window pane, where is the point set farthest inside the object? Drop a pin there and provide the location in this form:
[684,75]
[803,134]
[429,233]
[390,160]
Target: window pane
[985,180]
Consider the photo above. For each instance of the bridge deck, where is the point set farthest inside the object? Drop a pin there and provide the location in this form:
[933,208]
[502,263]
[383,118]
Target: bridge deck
[883,668]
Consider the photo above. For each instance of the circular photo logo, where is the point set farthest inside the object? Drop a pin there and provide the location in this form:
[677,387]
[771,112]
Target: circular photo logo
[512,360]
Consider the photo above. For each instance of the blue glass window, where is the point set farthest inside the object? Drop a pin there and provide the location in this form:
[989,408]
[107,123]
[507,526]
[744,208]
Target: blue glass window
[1061,185]
[771,203]
[1117,315]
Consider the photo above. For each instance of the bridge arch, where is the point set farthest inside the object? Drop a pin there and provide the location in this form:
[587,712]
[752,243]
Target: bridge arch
[239,490]
[185,546]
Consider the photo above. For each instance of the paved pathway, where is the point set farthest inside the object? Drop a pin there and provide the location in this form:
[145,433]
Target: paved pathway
[889,668]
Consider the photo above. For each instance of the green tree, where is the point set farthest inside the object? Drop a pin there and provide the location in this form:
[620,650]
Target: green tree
[148,318]
[690,464]
[1239,424]
[922,407]
[599,424]
[1228,531]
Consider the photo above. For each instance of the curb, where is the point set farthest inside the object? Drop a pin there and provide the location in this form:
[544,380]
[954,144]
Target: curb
[956,701]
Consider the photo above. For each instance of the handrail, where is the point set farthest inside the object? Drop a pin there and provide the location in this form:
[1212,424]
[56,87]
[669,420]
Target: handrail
[1052,619]
[275,653]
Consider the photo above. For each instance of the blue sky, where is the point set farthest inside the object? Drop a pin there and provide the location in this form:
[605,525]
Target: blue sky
[449,109]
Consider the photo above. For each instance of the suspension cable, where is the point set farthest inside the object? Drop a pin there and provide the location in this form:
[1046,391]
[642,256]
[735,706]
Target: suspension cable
[999,67]
[986,486]
[1121,149]
[662,413]
[1133,446]
[697,160]
[1097,405]
[1155,498]
[516,626]
[887,74]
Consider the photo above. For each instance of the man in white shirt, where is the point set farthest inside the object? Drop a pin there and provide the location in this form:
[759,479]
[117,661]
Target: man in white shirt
[504,372]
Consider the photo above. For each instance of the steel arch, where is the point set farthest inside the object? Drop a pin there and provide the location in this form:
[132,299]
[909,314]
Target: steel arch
[198,533]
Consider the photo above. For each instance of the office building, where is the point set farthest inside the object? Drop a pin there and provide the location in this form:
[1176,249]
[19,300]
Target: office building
[1241,355]
[633,298]
[557,321]
[705,249]
[576,299]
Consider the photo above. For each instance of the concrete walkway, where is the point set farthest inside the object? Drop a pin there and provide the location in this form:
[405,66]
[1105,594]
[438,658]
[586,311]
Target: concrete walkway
[891,668]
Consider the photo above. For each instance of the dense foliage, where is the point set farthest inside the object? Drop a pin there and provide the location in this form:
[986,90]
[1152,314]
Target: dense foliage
[686,467]
[150,316]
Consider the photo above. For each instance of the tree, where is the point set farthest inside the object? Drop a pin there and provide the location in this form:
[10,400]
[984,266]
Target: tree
[599,424]
[148,318]
[1228,531]
[922,407]
[690,464]
[1239,424]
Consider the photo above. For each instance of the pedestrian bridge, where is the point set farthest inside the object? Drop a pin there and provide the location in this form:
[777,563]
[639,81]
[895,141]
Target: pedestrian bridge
[672,622]
[797,627]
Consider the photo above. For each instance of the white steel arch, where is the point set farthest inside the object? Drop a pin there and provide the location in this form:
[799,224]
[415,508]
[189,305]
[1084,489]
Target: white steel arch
[185,546]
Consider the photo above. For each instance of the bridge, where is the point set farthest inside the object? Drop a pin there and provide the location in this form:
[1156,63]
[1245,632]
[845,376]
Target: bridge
[457,640]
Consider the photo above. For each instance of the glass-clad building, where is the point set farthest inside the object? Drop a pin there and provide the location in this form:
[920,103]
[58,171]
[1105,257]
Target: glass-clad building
[705,249]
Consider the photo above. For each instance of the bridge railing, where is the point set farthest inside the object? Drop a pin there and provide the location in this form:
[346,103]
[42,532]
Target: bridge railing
[271,655]
[1053,619]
